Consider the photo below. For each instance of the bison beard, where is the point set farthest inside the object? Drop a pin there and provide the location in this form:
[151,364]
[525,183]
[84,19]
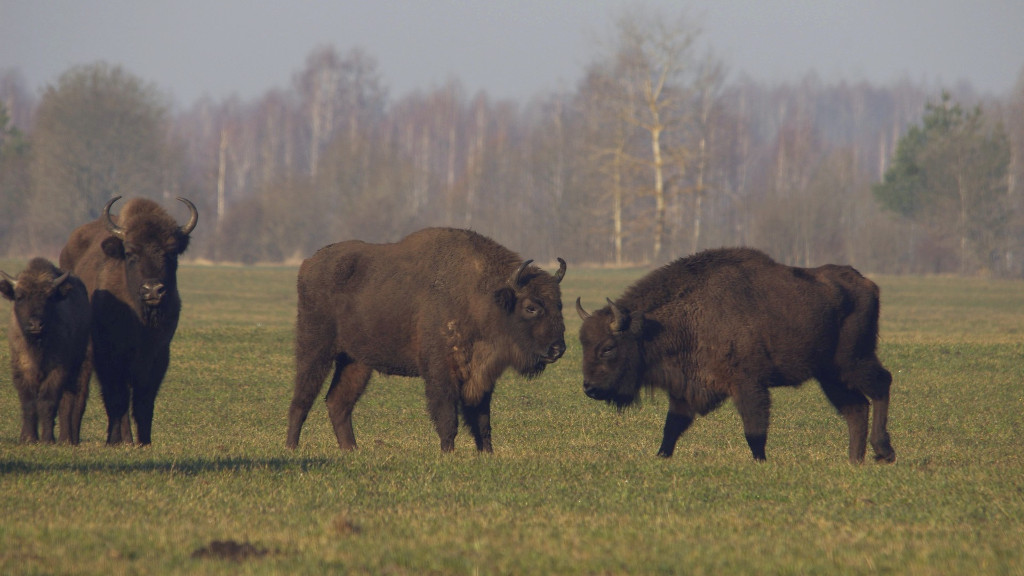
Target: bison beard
[448,305]
[732,323]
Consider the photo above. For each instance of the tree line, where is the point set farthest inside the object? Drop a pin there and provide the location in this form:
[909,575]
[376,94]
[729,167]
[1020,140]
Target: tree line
[653,155]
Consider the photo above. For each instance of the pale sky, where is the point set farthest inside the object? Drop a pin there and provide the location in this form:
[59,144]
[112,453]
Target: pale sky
[510,49]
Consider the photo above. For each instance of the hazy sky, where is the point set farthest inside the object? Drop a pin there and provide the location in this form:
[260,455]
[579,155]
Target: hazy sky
[511,49]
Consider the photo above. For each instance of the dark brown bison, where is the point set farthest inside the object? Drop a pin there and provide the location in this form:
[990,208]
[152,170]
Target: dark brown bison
[48,336]
[732,323]
[450,306]
[129,266]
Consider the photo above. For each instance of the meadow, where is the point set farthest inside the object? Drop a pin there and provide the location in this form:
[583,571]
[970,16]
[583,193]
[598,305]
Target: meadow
[573,486]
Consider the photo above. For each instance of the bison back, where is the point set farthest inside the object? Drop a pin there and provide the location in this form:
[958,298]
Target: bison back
[738,310]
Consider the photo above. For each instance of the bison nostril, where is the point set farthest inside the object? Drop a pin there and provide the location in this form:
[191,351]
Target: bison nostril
[152,291]
[557,351]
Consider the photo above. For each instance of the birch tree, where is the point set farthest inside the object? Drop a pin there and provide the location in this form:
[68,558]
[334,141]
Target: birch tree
[650,80]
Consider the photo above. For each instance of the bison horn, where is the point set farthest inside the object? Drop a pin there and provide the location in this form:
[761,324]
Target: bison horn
[114,228]
[13,281]
[193,218]
[579,310]
[516,279]
[619,317]
[60,279]
[561,270]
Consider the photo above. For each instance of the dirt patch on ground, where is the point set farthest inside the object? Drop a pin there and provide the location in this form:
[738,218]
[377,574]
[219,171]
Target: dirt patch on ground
[230,550]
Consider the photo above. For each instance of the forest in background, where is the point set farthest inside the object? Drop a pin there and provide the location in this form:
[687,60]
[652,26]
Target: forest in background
[654,154]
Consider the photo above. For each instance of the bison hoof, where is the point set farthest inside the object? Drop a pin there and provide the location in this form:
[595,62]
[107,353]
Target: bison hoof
[887,458]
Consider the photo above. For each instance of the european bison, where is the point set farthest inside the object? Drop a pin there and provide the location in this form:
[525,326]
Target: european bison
[48,336]
[732,323]
[129,267]
[448,305]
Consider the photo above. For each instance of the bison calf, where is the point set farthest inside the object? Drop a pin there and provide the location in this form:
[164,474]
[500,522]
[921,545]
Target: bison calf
[732,323]
[48,336]
[450,306]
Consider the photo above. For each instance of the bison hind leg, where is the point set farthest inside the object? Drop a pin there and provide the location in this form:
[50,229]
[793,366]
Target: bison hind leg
[866,379]
[754,405]
[347,386]
[879,394]
[311,367]
[852,404]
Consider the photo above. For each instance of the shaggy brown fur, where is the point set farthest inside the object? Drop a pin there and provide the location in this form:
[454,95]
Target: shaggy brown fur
[129,266]
[48,335]
[732,323]
[450,306]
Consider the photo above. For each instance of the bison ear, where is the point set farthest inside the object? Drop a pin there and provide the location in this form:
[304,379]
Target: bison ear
[113,247]
[183,240]
[636,325]
[65,288]
[6,288]
[505,298]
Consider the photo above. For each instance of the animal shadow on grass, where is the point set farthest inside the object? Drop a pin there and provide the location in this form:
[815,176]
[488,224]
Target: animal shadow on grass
[188,466]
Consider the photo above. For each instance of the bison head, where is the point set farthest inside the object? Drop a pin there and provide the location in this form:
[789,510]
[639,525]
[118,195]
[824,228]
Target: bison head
[34,293]
[532,302]
[612,355]
[148,241]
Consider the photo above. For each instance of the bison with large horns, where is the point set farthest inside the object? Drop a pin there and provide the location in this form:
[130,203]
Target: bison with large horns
[48,335]
[448,305]
[129,265]
[732,323]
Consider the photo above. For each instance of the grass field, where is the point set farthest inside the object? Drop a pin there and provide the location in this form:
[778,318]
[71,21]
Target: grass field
[572,488]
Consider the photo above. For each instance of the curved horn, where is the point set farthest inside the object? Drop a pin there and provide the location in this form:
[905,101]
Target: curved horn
[579,310]
[13,281]
[114,228]
[516,278]
[193,219]
[618,317]
[60,279]
[561,271]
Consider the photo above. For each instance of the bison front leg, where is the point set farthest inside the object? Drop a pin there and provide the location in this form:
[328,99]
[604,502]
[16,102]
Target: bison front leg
[46,407]
[347,386]
[29,415]
[680,416]
[147,380]
[442,403]
[478,418]
[116,396]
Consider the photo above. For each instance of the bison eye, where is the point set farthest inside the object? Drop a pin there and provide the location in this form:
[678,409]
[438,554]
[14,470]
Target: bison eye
[607,352]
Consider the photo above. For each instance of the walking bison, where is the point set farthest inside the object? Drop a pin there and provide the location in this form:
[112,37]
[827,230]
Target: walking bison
[732,323]
[48,335]
[129,266]
[448,305]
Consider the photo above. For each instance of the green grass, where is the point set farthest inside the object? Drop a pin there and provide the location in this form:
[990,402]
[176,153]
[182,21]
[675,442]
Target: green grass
[573,487]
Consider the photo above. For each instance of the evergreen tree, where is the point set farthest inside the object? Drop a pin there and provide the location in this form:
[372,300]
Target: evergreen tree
[949,175]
